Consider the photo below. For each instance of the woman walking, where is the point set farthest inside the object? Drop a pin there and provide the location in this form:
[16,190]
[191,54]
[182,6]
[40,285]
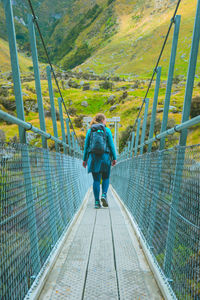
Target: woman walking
[99,154]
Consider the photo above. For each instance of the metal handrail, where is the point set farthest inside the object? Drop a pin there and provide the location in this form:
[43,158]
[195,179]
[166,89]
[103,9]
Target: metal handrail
[177,128]
[27,126]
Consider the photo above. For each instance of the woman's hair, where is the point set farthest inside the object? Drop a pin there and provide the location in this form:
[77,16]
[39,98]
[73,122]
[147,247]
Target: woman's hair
[99,118]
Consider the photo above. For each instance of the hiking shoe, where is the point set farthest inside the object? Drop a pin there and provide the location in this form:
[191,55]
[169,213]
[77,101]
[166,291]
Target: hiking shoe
[104,200]
[97,205]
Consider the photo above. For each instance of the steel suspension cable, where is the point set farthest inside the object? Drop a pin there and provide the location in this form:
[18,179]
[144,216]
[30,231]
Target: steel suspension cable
[157,63]
[49,61]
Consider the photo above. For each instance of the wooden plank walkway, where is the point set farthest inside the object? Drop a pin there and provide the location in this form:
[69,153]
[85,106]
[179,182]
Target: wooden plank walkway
[101,260]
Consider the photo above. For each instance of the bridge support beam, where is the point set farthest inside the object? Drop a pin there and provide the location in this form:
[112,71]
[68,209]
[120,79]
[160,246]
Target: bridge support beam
[133,204]
[73,144]
[58,162]
[137,137]
[129,147]
[170,78]
[53,210]
[62,123]
[53,111]
[132,143]
[37,77]
[164,125]
[151,131]
[136,199]
[170,243]
[15,66]
[32,226]
[153,113]
[144,125]
[68,135]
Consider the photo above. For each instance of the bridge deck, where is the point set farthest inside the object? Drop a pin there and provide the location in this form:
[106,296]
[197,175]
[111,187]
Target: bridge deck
[101,260]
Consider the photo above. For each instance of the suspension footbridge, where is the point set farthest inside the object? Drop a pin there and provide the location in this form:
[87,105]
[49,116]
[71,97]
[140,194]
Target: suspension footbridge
[54,245]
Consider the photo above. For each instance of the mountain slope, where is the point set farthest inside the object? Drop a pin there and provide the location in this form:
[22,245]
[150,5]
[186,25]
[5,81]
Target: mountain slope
[120,37]
[134,49]
[5,66]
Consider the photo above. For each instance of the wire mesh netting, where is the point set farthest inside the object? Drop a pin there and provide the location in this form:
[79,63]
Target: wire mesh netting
[40,191]
[162,192]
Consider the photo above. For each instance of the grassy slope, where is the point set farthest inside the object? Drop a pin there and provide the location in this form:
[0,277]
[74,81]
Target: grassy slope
[5,66]
[134,49]
[97,103]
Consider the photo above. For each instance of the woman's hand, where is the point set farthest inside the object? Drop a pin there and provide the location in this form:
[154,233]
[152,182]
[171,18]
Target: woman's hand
[84,164]
[114,162]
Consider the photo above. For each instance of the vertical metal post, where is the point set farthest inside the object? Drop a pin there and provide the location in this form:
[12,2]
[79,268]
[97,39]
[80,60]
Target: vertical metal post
[73,143]
[62,123]
[53,111]
[68,134]
[32,226]
[55,130]
[182,142]
[134,200]
[155,101]
[15,66]
[164,126]
[137,198]
[128,149]
[115,135]
[37,77]
[76,147]
[137,137]
[132,143]
[144,125]
[52,214]
[170,78]
[147,159]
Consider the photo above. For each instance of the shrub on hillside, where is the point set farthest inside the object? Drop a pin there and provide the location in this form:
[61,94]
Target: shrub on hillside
[72,111]
[125,137]
[81,140]
[195,107]
[106,85]
[79,121]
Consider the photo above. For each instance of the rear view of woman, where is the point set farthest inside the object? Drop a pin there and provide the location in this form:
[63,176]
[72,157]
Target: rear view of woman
[99,154]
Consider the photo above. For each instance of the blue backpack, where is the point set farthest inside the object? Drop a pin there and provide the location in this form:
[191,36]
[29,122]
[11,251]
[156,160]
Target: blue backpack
[98,139]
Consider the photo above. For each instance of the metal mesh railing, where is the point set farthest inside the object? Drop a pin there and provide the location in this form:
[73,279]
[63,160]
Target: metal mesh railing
[169,221]
[40,191]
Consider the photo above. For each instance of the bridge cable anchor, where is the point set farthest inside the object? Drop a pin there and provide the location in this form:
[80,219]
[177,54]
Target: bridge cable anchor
[172,20]
[175,129]
[156,137]
[31,126]
[34,18]
[155,70]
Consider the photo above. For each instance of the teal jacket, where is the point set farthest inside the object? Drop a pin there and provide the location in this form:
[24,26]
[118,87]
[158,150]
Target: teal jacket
[99,163]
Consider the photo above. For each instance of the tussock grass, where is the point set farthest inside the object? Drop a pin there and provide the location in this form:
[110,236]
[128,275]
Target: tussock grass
[5,65]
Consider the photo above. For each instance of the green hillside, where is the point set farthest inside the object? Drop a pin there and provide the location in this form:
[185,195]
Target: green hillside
[5,66]
[110,38]
[134,49]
